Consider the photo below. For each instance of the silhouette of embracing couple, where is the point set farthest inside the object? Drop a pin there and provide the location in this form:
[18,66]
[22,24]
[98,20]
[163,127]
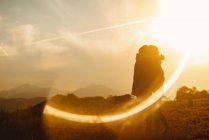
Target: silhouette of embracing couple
[148,73]
[148,78]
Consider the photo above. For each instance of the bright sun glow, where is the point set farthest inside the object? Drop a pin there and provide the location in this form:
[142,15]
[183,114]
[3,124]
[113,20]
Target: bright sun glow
[183,23]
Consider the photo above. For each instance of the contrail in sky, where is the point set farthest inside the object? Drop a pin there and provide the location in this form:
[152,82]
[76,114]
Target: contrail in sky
[99,29]
[91,31]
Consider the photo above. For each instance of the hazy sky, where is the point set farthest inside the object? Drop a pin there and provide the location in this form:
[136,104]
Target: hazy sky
[70,62]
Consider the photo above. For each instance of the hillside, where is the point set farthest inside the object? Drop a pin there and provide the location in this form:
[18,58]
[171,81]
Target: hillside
[187,121]
[91,105]
[19,103]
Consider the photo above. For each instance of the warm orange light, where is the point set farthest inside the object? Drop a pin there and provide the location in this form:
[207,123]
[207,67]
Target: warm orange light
[183,23]
[110,118]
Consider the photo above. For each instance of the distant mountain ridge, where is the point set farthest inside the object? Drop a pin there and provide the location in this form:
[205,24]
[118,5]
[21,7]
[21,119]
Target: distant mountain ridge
[29,91]
[27,95]
[97,90]
[32,91]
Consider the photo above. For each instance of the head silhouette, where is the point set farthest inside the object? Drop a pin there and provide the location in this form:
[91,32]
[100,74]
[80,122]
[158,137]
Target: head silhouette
[148,73]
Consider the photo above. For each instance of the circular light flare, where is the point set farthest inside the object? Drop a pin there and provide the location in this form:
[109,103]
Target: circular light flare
[49,110]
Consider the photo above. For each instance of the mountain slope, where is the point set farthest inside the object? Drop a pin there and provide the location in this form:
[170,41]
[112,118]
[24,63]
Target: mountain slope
[29,91]
[97,90]
[19,103]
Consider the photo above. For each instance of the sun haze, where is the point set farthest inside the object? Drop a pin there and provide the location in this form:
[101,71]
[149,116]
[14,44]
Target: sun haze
[69,44]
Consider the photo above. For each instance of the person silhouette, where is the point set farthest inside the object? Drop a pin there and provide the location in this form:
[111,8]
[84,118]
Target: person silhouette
[148,73]
[148,78]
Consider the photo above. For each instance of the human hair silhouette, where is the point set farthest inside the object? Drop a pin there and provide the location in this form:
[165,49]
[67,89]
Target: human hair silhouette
[148,73]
